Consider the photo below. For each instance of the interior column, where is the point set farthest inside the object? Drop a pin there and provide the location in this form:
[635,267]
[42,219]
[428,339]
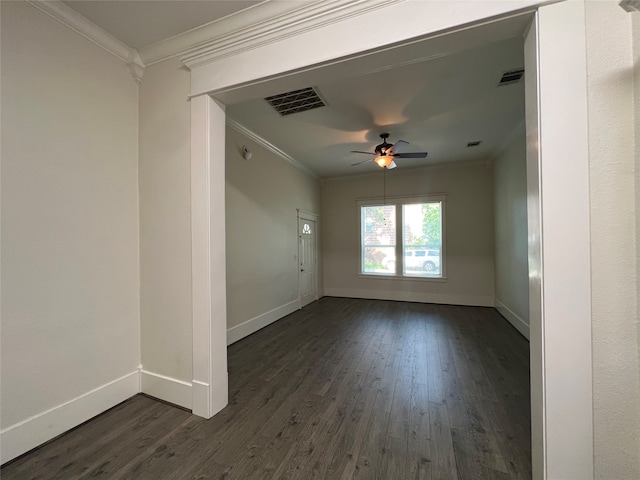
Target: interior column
[210,383]
[560,276]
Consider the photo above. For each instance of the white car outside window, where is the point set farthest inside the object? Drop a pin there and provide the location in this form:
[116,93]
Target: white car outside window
[423,260]
[427,260]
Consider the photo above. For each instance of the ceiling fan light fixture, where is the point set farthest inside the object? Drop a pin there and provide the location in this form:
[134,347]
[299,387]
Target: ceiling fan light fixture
[384,160]
[385,153]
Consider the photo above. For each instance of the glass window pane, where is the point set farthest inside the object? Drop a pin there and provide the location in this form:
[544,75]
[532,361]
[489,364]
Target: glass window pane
[422,239]
[379,225]
[378,239]
[379,260]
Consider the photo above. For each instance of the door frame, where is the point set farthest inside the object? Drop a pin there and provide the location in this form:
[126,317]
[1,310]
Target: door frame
[314,217]
[562,413]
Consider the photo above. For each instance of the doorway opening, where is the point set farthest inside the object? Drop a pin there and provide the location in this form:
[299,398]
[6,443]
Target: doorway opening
[561,401]
[307,257]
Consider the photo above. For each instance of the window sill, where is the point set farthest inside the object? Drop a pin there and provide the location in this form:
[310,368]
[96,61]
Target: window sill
[382,276]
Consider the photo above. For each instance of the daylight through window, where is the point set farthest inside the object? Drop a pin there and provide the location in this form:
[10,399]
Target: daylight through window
[415,249]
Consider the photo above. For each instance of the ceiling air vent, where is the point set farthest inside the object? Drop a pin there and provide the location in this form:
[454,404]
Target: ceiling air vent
[512,76]
[296,101]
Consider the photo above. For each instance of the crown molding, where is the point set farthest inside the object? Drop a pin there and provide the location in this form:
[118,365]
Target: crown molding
[79,24]
[269,146]
[295,22]
[262,24]
[182,42]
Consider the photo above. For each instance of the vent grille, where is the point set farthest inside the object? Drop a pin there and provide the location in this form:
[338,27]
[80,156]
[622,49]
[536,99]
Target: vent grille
[296,101]
[511,76]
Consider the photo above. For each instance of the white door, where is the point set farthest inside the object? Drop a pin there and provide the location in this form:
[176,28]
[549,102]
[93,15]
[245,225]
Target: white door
[307,260]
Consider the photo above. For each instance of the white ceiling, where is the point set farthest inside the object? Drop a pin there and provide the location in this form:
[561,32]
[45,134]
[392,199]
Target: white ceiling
[140,23]
[438,94]
[438,106]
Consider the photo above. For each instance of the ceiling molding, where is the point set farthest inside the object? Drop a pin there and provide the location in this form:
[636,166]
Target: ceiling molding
[182,42]
[269,146]
[79,24]
[262,24]
[252,28]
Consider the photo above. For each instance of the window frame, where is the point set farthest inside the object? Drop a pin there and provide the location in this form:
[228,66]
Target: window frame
[399,202]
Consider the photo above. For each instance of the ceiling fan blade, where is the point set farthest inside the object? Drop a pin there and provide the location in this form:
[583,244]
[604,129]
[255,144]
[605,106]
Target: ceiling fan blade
[363,161]
[411,155]
[399,145]
[366,153]
[391,165]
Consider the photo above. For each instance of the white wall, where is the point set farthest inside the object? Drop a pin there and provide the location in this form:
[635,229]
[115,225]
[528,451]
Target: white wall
[469,234]
[262,195]
[614,247]
[70,304]
[165,232]
[511,243]
[636,75]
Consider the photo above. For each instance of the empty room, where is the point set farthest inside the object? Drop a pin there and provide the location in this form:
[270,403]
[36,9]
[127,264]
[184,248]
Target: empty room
[346,239]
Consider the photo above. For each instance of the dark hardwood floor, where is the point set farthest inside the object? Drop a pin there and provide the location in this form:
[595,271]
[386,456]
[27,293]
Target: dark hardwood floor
[349,389]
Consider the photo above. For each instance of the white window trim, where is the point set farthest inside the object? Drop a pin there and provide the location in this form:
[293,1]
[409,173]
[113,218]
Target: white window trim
[399,201]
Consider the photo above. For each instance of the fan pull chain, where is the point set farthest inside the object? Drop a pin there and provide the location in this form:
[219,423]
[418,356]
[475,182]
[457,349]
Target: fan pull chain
[384,185]
[384,191]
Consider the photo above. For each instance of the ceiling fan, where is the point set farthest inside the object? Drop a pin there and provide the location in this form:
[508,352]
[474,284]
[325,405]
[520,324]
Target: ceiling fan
[385,153]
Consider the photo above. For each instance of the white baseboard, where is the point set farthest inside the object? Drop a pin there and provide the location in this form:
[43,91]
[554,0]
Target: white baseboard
[209,400]
[512,318]
[166,388]
[421,297]
[201,399]
[28,434]
[219,393]
[253,325]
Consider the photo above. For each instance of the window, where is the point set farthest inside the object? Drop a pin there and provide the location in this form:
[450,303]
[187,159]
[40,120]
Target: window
[414,250]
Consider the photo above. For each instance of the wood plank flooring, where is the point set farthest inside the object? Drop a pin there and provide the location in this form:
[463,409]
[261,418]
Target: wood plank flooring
[343,389]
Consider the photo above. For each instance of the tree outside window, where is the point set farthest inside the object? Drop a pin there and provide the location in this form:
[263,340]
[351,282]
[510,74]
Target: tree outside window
[415,250]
